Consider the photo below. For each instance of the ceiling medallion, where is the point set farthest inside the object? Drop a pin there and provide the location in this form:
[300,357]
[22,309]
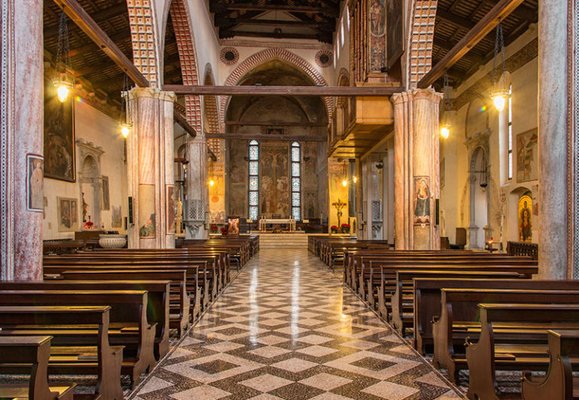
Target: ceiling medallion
[324,58]
[229,55]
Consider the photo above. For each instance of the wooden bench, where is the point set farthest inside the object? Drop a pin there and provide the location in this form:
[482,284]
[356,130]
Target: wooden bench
[129,326]
[513,337]
[559,383]
[459,318]
[32,352]
[158,293]
[80,343]
[180,310]
[402,301]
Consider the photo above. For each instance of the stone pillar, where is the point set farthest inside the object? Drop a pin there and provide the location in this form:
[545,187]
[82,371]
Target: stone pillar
[197,191]
[21,146]
[553,139]
[150,160]
[416,168]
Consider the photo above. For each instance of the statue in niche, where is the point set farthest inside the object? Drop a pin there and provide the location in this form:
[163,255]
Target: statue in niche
[84,208]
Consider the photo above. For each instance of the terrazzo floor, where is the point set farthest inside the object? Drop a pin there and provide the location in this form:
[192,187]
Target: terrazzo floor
[286,328]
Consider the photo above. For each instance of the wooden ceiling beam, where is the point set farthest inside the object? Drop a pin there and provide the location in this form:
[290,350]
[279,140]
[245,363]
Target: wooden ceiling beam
[84,21]
[274,123]
[282,35]
[218,7]
[334,91]
[261,22]
[180,118]
[455,19]
[265,137]
[482,28]
[99,16]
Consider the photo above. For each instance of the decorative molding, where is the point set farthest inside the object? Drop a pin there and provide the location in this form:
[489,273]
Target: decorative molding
[6,151]
[324,58]
[421,40]
[143,33]
[229,55]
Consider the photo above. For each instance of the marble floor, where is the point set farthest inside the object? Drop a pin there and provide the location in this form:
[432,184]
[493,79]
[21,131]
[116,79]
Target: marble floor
[286,328]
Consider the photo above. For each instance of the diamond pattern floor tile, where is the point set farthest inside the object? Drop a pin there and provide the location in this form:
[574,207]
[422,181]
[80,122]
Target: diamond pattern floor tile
[286,328]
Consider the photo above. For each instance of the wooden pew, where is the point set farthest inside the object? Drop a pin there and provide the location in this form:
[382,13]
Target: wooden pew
[33,352]
[513,337]
[180,310]
[80,344]
[129,326]
[158,293]
[402,315]
[559,383]
[459,318]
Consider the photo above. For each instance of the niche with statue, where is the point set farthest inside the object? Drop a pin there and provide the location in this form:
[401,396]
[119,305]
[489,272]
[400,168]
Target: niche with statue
[90,182]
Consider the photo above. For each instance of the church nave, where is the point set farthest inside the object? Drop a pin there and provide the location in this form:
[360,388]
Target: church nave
[286,328]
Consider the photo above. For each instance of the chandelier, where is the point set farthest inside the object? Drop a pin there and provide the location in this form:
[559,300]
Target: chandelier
[500,90]
[63,81]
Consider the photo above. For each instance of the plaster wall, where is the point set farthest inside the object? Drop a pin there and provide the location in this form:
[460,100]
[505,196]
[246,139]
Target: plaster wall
[93,126]
[470,126]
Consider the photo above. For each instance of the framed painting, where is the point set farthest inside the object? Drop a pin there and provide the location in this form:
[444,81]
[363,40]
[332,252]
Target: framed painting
[106,205]
[35,182]
[421,200]
[59,160]
[525,213]
[117,219]
[528,156]
[67,213]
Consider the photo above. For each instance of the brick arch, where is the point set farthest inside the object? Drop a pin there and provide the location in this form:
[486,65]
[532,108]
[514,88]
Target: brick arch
[271,54]
[421,27]
[188,59]
[146,56]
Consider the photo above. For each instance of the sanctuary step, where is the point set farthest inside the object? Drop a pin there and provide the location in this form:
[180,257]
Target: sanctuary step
[283,240]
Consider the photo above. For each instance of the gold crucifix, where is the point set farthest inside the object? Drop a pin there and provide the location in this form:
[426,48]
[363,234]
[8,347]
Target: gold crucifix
[339,206]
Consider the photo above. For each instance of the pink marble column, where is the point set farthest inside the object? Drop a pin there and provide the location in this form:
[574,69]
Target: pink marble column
[150,172]
[196,206]
[553,136]
[416,169]
[21,147]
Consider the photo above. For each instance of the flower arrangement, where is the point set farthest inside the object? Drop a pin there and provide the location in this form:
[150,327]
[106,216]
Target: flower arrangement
[345,228]
[214,228]
[224,231]
[334,229]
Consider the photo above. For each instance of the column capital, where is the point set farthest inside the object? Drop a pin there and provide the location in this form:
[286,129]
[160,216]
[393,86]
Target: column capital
[416,94]
[152,93]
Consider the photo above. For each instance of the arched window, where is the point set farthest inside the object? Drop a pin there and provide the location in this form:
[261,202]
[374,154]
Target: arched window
[296,181]
[253,169]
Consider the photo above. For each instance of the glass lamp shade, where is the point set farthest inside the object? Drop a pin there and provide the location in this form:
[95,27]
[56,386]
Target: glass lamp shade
[125,130]
[444,131]
[344,182]
[63,88]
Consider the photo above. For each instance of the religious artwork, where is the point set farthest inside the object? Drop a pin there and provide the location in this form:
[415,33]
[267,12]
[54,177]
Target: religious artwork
[117,219]
[170,209]
[525,212]
[376,38]
[147,211]
[395,31]
[106,197]
[35,182]
[442,173]
[59,162]
[45,207]
[274,179]
[527,156]
[422,200]
[233,226]
[67,214]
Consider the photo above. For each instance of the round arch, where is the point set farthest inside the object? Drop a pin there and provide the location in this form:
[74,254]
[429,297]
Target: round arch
[265,56]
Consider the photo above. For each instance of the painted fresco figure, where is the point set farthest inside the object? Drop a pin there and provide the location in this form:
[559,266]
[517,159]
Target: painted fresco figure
[422,209]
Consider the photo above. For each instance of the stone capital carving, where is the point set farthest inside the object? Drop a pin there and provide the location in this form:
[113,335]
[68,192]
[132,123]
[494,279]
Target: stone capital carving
[399,98]
[427,94]
[152,93]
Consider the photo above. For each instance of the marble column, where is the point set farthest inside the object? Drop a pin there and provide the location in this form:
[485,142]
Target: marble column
[416,168]
[553,139]
[21,146]
[197,192]
[150,160]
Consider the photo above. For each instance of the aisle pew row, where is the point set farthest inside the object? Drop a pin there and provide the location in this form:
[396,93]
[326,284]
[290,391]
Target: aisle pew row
[472,312]
[107,314]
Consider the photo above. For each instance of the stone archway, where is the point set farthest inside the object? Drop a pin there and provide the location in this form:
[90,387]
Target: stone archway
[265,56]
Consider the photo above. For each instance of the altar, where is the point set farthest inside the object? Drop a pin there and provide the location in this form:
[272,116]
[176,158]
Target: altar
[264,222]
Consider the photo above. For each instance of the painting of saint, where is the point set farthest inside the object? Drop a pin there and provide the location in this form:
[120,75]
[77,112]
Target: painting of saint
[116,220]
[35,182]
[106,196]
[148,229]
[170,209]
[59,139]
[527,156]
[422,199]
[525,218]
[67,214]
[377,17]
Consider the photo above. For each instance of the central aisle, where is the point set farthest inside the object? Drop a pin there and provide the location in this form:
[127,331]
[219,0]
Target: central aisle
[286,328]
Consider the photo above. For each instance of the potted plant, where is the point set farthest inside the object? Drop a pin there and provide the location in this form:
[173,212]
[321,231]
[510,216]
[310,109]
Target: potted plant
[334,229]
[345,228]
[214,228]
[224,231]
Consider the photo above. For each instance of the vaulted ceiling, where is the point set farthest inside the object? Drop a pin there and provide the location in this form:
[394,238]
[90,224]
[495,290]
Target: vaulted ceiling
[279,19]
